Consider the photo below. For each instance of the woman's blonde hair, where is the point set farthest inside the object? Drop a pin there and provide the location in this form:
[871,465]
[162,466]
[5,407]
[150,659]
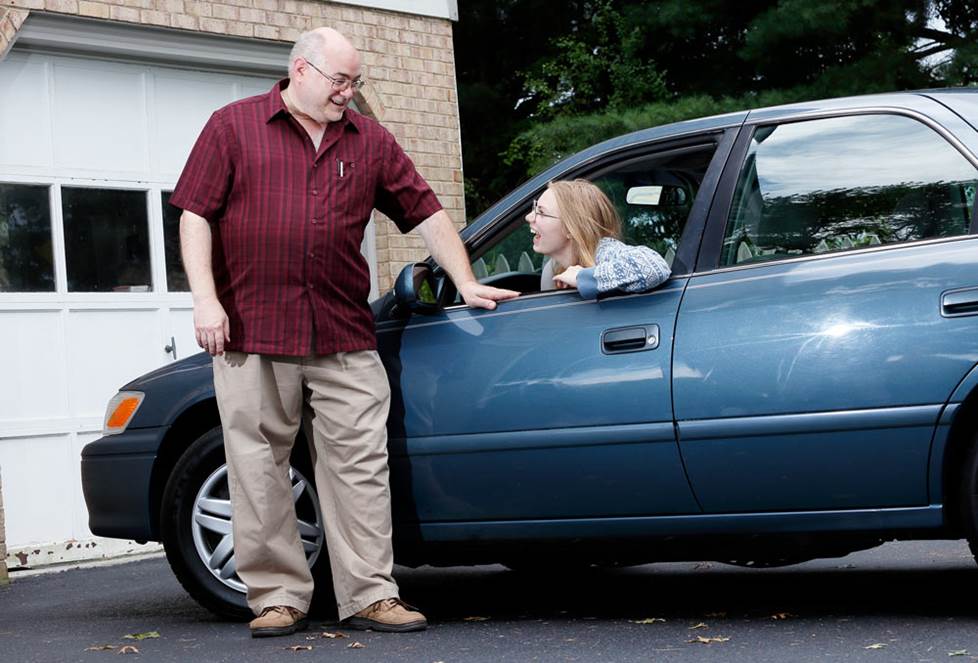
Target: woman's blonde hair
[587,216]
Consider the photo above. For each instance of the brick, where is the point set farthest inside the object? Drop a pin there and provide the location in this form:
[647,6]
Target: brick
[289,34]
[301,22]
[225,12]
[153,17]
[268,32]
[184,22]
[170,6]
[17,17]
[252,15]
[64,6]
[214,25]
[124,14]
[94,9]
[352,15]
[239,29]
[279,19]
[198,8]
[26,4]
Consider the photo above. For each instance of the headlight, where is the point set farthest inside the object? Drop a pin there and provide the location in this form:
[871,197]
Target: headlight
[120,411]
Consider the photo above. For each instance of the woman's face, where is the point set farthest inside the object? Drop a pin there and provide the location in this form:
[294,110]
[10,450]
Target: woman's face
[549,236]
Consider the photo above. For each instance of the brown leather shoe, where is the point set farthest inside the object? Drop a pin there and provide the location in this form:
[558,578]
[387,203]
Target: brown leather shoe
[278,620]
[391,615]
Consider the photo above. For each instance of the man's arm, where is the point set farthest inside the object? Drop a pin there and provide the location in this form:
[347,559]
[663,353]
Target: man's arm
[210,320]
[448,251]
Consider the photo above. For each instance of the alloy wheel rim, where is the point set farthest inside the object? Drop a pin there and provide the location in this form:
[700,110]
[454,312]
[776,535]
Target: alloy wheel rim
[213,535]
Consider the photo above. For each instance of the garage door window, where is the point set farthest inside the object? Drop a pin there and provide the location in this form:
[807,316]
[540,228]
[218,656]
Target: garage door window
[106,240]
[176,278]
[26,256]
[846,183]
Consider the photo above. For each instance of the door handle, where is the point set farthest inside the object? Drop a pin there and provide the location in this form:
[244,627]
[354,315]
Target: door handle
[171,349]
[629,339]
[956,303]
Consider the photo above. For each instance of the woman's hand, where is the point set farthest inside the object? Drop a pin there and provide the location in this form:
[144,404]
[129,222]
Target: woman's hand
[568,277]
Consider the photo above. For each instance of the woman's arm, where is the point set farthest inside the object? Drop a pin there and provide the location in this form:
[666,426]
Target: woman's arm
[622,267]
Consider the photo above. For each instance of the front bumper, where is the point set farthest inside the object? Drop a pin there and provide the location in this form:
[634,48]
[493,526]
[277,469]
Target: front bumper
[116,472]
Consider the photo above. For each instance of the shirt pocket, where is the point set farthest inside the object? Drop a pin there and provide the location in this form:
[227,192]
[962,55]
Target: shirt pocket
[352,190]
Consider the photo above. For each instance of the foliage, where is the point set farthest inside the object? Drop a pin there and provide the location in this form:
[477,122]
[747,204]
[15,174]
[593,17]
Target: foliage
[599,68]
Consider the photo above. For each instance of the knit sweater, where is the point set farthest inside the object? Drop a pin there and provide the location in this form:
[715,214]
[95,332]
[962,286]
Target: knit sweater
[619,266]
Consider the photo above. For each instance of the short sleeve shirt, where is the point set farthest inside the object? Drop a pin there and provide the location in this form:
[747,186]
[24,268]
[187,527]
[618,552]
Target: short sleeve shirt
[287,221]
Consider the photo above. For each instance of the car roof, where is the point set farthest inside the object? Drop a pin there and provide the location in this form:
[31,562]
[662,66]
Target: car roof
[908,100]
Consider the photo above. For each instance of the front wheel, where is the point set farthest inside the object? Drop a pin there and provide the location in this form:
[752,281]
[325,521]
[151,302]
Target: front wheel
[195,525]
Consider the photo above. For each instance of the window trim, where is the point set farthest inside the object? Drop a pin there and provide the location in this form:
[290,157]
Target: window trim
[722,141]
[151,191]
[708,261]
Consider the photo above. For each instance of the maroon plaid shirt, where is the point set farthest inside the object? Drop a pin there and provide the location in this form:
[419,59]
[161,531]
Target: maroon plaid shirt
[287,222]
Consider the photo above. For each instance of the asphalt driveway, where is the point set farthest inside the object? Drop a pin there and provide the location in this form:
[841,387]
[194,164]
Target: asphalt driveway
[902,602]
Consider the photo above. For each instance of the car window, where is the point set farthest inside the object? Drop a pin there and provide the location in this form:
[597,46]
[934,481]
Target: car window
[653,195]
[844,183]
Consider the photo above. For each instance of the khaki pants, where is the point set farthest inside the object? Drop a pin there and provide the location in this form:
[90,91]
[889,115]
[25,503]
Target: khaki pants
[262,401]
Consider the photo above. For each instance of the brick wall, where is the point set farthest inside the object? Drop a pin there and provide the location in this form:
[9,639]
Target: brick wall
[409,65]
[3,539]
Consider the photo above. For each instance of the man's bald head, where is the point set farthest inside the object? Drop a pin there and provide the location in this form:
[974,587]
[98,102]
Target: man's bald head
[320,62]
[324,46]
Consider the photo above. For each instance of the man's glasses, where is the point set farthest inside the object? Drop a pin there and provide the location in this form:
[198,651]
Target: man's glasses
[338,84]
[539,212]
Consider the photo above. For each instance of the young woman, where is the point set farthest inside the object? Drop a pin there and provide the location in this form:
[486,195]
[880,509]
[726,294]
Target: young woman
[576,226]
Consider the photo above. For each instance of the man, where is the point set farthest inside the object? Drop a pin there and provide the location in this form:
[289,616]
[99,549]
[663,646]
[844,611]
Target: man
[276,195]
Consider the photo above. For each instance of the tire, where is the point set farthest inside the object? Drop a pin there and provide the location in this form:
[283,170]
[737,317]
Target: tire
[968,497]
[195,525]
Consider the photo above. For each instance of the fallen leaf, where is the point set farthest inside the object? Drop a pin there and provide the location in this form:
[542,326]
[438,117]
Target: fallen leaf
[958,652]
[128,649]
[475,619]
[142,636]
[696,626]
[876,645]
[708,639]
[355,645]
[333,636]
[100,648]
[297,648]
[782,615]
[648,620]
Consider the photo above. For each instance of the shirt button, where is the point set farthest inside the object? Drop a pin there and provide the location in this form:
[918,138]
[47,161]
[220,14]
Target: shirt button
[312,255]
[315,192]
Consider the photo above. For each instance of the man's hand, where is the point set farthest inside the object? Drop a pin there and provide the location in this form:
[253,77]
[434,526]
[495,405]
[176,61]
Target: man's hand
[568,277]
[211,325]
[484,296]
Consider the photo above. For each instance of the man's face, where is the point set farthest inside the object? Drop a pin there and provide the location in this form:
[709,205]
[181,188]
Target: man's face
[328,85]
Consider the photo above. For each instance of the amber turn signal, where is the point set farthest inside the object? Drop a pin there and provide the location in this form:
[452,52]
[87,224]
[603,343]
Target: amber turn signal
[120,411]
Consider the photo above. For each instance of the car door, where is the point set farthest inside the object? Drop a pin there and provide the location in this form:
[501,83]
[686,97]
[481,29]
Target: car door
[820,337]
[549,407]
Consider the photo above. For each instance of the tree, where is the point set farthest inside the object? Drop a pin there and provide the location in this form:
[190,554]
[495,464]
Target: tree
[599,68]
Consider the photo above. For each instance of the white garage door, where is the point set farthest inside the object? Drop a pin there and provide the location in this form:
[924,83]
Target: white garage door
[92,292]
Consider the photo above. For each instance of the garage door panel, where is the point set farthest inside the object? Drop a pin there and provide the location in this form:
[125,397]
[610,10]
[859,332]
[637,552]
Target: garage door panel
[107,349]
[33,368]
[25,114]
[100,119]
[182,105]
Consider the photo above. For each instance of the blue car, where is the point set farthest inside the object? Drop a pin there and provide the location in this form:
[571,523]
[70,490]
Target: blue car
[805,384]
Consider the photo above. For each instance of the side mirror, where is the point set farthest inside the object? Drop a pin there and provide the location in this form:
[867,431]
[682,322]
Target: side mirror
[414,289]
